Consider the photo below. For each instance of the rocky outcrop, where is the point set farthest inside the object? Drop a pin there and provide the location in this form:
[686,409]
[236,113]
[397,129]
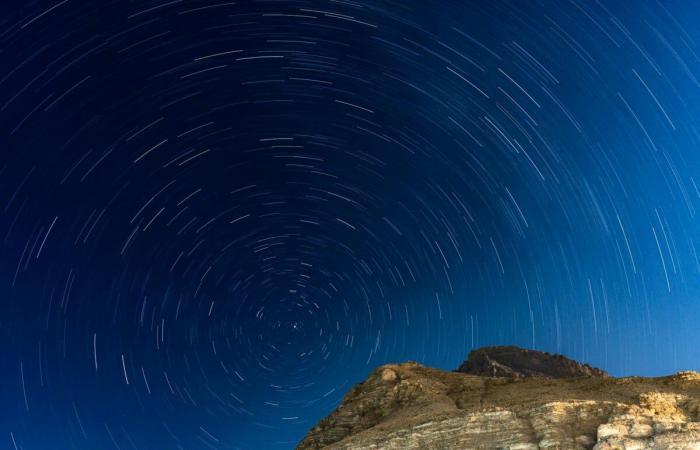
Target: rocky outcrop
[409,406]
[517,362]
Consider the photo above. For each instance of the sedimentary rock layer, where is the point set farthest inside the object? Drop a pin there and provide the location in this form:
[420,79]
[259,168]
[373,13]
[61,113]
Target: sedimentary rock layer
[409,406]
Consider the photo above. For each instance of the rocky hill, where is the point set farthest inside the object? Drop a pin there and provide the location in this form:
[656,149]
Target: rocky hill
[534,401]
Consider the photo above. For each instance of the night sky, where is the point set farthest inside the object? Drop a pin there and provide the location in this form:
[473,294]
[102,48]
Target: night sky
[217,217]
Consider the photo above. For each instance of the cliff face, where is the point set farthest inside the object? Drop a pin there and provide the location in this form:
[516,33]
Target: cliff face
[408,406]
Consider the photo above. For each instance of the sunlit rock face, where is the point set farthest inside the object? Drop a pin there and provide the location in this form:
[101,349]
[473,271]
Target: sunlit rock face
[409,406]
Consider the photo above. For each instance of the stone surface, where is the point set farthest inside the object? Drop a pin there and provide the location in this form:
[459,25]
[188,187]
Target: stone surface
[509,361]
[409,406]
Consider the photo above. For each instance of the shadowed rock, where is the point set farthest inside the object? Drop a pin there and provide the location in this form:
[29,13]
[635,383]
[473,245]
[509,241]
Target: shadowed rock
[516,362]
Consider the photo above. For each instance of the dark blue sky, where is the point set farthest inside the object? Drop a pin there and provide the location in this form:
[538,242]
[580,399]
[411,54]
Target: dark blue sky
[217,217]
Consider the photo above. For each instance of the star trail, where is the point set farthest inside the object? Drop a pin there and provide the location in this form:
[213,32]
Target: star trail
[217,217]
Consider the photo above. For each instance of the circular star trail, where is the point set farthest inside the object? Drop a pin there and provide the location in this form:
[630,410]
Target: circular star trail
[217,217]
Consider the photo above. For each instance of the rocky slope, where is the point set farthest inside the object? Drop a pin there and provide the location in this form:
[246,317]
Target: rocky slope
[540,406]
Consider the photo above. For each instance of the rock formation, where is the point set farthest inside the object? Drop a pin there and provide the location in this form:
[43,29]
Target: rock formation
[540,406]
[520,363]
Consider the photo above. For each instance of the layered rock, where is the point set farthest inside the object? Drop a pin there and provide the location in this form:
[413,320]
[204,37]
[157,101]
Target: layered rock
[409,406]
